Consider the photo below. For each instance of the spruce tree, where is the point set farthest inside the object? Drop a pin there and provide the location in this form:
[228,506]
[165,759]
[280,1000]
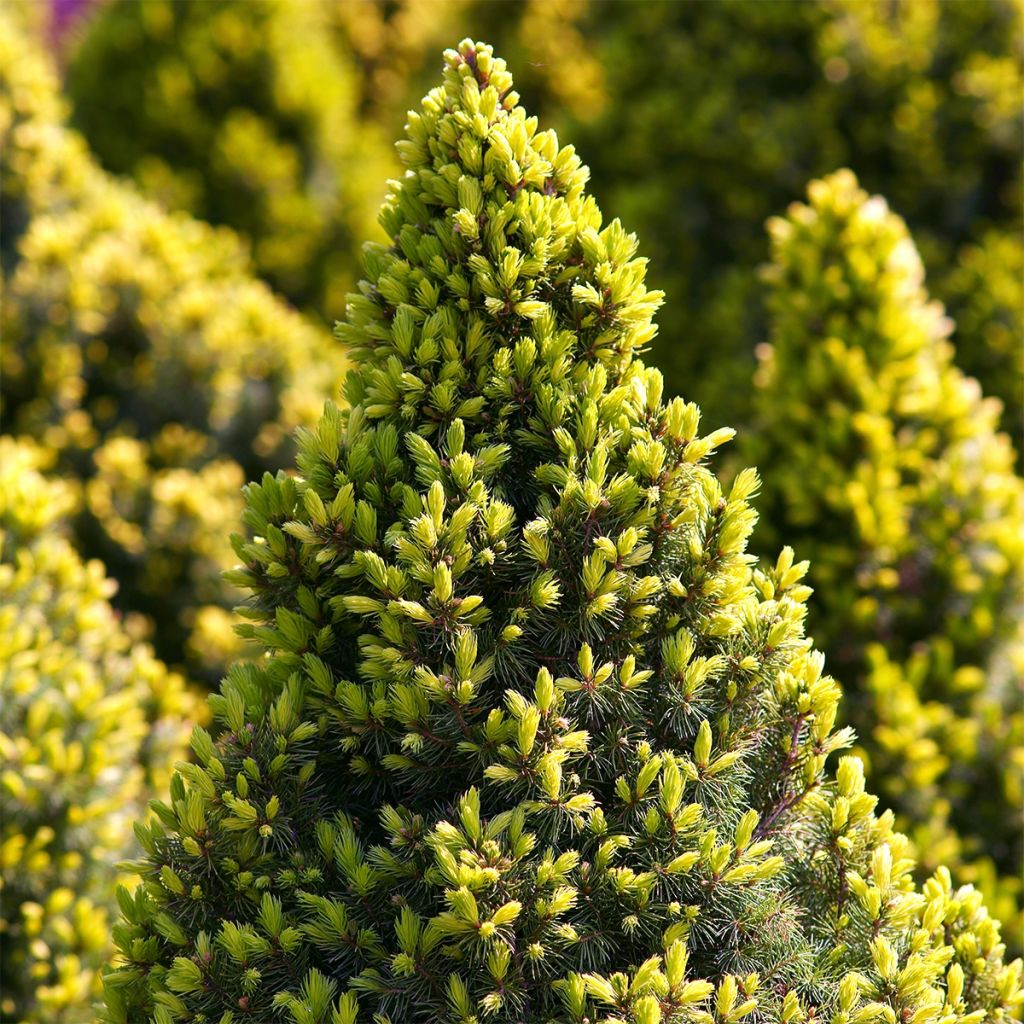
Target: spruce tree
[141,352]
[533,741]
[883,465]
[89,721]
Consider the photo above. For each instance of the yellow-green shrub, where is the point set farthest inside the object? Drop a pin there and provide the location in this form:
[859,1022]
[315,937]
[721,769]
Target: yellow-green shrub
[142,354]
[883,465]
[90,723]
[532,742]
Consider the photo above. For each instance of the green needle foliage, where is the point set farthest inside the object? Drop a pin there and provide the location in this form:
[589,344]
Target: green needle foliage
[88,722]
[141,353]
[533,740]
[883,464]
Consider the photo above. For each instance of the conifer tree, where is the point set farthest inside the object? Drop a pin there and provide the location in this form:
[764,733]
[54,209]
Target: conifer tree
[88,723]
[139,350]
[883,465]
[533,741]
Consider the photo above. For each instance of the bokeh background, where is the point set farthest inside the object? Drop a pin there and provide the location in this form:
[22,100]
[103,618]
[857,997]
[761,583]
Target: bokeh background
[186,185]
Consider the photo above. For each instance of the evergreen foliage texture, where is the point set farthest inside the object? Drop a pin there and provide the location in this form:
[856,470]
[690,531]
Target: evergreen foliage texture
[533,740]
[702,120]
[89,722]
[884,466]
[148,362]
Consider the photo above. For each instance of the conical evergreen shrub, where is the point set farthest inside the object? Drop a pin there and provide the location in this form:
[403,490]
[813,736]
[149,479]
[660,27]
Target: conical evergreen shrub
[89,721]
[883,465]
[139,350]
[533,741]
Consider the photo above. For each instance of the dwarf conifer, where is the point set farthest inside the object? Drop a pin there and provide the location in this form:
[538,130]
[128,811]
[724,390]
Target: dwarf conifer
[533,741]
[883,464]
[139,350]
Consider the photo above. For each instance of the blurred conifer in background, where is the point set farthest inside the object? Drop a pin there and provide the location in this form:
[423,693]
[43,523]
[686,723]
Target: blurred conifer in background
[882,465]
[90,726]
[154,370]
